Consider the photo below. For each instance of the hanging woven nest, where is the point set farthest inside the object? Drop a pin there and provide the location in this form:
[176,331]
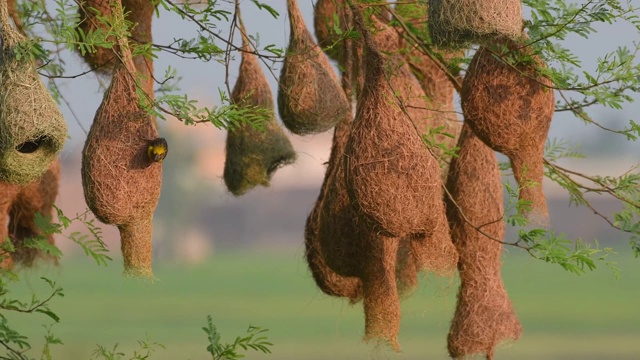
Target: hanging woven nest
[310,99]
[32,129]
[428,111]
[121,183]
[433,252]
[457,23]
[36,197]
[510,107]
[390,174]
[253,156]
[484,315]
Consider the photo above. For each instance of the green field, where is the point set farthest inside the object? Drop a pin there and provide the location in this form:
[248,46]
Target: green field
[565,316]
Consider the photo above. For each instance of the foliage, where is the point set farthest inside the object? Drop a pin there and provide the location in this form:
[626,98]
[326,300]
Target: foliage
[551,26]
[254,340]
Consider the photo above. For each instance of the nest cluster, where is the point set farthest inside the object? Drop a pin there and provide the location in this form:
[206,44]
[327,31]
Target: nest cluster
[382,216]
[395,200]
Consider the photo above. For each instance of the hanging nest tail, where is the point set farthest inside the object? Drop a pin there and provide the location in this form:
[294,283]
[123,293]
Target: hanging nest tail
[121,184]
[32,129]
[484,315]
[253,156]
[510,108]
[310,99]
[35,197]
[456,23]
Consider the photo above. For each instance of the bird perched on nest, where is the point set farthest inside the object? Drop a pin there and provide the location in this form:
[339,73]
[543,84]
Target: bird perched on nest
[157,150]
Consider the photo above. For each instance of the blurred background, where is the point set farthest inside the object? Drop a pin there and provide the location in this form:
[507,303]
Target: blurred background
[241,259]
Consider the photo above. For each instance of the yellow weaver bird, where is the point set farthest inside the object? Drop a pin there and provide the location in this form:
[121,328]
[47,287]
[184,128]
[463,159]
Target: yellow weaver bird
[157,150]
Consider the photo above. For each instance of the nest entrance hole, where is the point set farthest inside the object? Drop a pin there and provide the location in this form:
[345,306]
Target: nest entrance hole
[31,146]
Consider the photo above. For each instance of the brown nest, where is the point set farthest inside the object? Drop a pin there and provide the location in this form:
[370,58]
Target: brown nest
[456,23]
[32,129]
[121,184]
[428,111]
[253,156]
[510,105]
[310,99]
[35,197]
[484,315]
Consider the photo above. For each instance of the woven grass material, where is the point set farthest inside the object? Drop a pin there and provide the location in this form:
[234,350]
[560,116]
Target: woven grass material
[8,193]
[38,196]
[310,99]
[484,316]
[510,107]
[381,298]
[391,176]
[427,111]
[32,129]
[253,156]
[103,59]
[324,14]
[438,88]
[433,252]
[456,23]
[121,185]
[140,13]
